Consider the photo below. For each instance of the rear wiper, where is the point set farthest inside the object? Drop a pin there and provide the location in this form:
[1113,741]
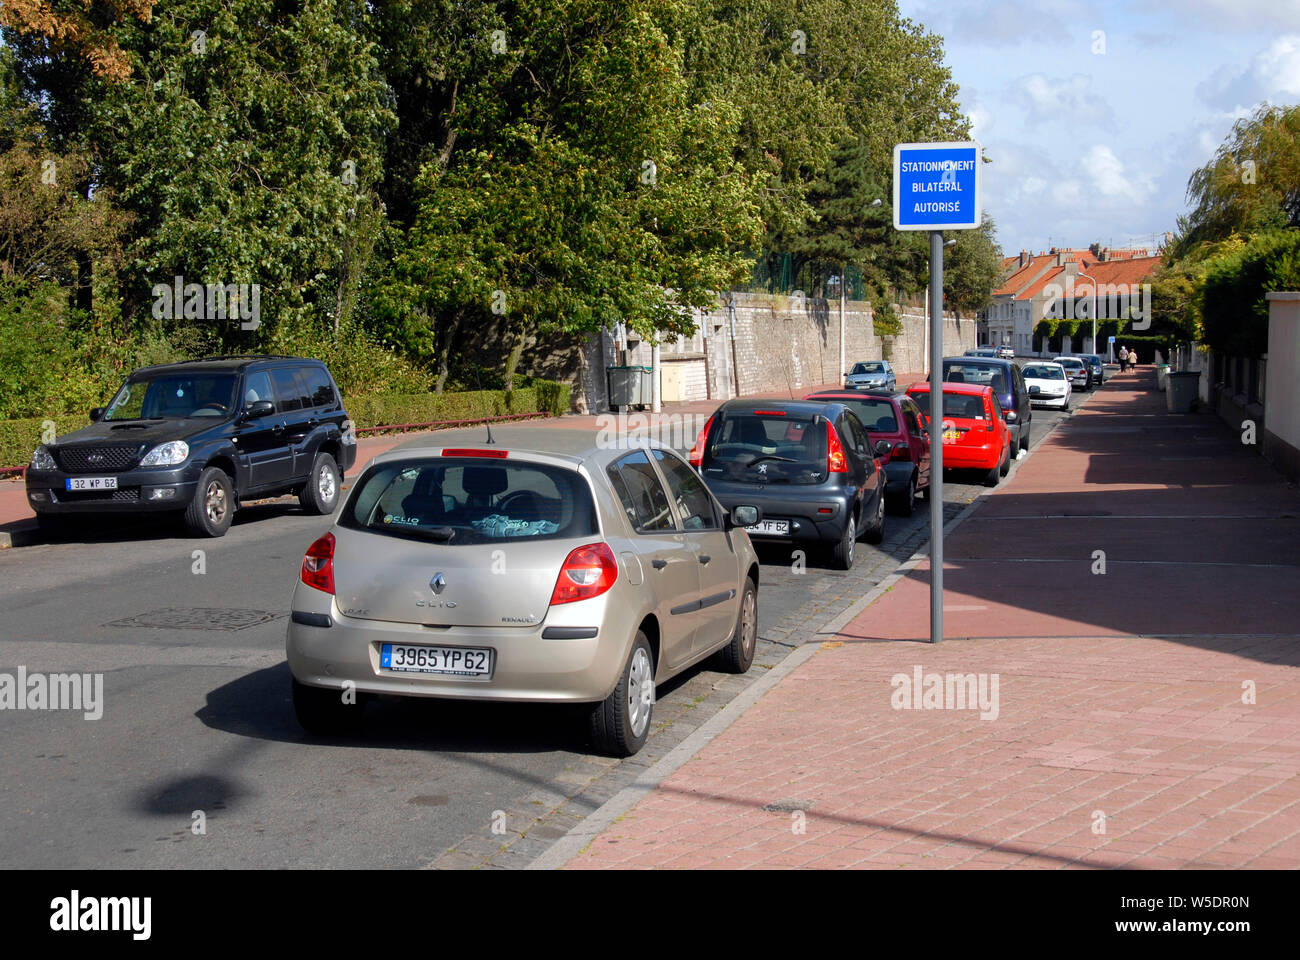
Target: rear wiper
[769,457]
[437,534]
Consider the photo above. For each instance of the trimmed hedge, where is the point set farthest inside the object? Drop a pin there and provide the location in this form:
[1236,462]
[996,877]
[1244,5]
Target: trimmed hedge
[18,438]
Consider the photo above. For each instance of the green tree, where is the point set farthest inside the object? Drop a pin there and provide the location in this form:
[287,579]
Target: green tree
[592,191]
[247,146]
[972,268]
[1251,185]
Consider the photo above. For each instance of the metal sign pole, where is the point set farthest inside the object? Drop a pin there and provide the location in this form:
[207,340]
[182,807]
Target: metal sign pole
[935,494]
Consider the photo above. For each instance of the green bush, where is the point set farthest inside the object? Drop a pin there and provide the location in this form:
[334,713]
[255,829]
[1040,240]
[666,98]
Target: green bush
[384,409]
[18,438]
[1233,309]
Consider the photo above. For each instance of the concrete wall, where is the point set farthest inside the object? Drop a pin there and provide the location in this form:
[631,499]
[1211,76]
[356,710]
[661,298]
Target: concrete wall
[1281,432]
[782,344]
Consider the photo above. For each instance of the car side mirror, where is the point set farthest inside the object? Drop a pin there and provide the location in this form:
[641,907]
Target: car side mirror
[96,413]
[1035,388]
[743,516]
[883,447]
[259,408]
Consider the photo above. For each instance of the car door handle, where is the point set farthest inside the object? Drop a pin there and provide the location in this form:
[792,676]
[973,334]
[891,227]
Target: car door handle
[704,559]
[658,564]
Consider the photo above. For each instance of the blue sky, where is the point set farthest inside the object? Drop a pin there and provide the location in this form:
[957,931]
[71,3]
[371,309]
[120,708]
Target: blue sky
[1098,146]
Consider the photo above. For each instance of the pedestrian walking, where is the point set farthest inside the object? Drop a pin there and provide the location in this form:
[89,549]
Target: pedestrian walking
[1123,358]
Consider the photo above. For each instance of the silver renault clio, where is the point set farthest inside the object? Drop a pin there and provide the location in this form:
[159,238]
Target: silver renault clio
[539,567]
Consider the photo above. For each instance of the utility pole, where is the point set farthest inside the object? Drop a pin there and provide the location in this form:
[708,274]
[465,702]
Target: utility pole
[935,495]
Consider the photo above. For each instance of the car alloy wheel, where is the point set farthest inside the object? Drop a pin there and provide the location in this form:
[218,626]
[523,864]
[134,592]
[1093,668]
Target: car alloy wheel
[215,503]
[738,654]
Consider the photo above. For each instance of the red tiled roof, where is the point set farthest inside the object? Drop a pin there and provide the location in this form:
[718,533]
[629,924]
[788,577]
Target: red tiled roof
[1130,272]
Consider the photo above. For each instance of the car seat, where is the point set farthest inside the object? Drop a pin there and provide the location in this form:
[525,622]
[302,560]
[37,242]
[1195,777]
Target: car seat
[425,502]
[481,485]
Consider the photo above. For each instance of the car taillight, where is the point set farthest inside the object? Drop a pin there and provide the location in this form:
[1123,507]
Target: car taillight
[588,572]
[835,460]
[697,451]
[901,451]
[318,564]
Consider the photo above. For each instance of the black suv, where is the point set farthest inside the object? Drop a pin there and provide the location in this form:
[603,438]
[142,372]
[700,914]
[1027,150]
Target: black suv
[808,465]
[196,438]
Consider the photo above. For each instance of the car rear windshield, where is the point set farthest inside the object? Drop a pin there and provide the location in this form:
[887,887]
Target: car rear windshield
[968,406]
[469,501]
[1043,373]
[877,415]
[174,396]
[983,374]
[766,445]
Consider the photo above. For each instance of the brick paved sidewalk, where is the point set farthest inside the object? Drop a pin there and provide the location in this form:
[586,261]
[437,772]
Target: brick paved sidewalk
[1145,717]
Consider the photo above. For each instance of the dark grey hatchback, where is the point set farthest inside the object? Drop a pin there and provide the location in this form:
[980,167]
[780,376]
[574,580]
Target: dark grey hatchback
[195,438]
[807,466]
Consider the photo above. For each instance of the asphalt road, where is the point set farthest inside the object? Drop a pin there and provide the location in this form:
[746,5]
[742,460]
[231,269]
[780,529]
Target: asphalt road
[197,723]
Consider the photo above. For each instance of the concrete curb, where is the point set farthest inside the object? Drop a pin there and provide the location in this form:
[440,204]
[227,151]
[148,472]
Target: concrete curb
[577,839]
[23,535]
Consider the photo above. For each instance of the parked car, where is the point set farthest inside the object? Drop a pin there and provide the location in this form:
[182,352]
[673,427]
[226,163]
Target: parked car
[871,375]
[1007,382]
[1096,365]
[1048,384]
[991,352]
[539,568]
[1006,352]
[809,466]
[892,418]
[1080,373]
[975,436]
[196,438]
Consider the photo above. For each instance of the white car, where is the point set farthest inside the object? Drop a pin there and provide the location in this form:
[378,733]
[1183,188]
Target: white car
[1048,384]
[1006,352]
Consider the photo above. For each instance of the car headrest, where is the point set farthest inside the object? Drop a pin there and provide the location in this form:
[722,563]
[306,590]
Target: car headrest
[427,485]
[484,481]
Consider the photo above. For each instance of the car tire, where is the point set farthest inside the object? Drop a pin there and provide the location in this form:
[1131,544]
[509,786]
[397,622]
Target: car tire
[738,655]
[212,508]
[905,503]
[321,494]
[995,473]
[843,551]
[323,712]
[619,727]
[1005,466]
[876,532]
[1023,442]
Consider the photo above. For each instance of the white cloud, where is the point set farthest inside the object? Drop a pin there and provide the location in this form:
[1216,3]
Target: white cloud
[1246,16]
[1070,100]
[1273,75]
[1109,178]
[1005,22]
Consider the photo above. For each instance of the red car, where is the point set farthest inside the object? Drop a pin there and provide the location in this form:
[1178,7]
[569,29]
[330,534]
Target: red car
[893,417]
[975,437]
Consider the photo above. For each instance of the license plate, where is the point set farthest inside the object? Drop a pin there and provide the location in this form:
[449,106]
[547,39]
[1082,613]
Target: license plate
[770,528]
[448,661]
[951,436]
[91,483]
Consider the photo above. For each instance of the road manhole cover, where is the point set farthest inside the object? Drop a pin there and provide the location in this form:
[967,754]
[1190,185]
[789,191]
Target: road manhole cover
[198,618]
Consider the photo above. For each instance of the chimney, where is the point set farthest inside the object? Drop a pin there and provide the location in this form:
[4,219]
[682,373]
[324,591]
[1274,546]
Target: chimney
[1060,257]
[1024,258]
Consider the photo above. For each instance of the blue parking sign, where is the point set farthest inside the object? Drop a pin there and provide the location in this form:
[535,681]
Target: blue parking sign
[937,186]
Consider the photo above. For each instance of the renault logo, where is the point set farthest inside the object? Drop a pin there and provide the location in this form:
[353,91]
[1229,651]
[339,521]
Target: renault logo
[438,583]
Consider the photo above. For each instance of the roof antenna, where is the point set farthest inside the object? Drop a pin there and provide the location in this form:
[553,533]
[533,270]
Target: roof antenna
[487,422]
